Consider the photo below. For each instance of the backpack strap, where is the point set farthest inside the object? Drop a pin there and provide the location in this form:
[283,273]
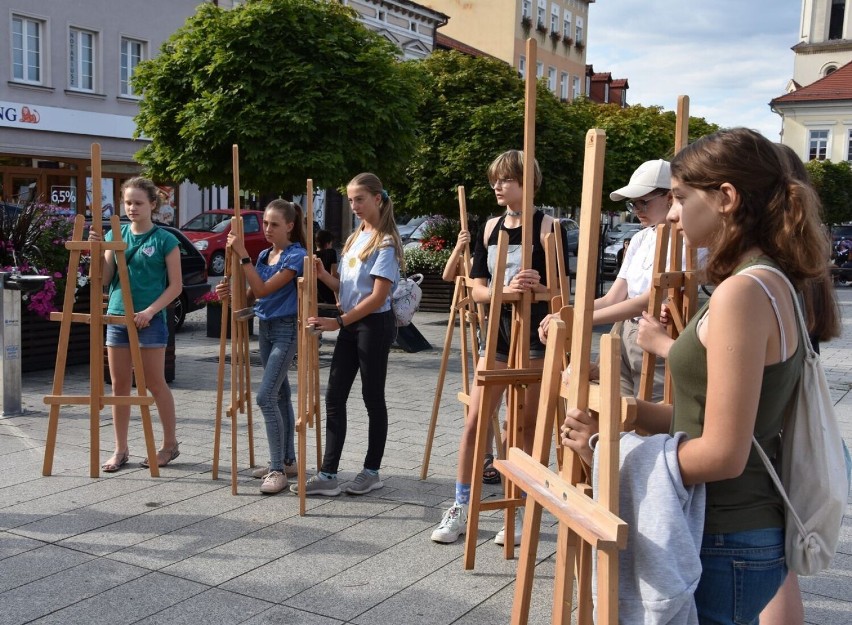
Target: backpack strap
[774,303]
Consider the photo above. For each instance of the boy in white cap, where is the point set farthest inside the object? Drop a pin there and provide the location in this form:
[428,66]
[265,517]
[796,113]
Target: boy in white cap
[648,196]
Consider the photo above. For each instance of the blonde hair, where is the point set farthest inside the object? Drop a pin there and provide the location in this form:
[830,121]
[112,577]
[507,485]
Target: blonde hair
[386,228]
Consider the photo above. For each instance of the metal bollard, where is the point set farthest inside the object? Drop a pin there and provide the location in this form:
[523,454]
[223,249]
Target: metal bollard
[10,346]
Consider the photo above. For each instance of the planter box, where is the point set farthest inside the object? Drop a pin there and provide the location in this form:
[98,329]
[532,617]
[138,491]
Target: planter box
[437,294]
[40,338]
[214,322]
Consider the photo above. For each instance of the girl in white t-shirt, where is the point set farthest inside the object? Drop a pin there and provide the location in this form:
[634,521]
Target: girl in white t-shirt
[369,271]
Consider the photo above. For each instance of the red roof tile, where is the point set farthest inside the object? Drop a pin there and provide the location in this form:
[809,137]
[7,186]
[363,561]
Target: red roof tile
[835,86]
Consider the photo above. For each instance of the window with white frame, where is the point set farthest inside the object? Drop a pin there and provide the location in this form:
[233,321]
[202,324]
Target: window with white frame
[539,69]
[542,4]
[817,145]
[526,9]
[27,51]
[132,53]
[81,59]
[579,38]
[563,86]
[566,25]
[554,18]
[551,79]
[849,145]
[522,66]
[575,91]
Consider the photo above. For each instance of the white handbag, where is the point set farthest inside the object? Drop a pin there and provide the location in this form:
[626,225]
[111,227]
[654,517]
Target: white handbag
[406,298]
[814,483]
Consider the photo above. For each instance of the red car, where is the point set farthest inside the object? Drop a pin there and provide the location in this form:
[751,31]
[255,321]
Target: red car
[209,234]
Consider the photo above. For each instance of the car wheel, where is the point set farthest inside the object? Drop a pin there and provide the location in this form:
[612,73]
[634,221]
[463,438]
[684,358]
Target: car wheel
[217,264]
[180,309]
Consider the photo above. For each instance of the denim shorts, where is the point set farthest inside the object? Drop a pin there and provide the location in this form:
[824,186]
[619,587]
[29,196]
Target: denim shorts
[741,572]
[155,335]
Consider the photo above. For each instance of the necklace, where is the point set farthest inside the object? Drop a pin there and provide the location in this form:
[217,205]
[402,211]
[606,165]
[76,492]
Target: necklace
[512,213]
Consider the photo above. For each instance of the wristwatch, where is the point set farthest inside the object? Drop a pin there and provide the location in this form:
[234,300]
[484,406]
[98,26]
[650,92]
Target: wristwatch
[339,321]
[245,261]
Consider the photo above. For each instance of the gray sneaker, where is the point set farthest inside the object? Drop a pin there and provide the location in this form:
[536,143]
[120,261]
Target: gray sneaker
[364,483]
[318,486]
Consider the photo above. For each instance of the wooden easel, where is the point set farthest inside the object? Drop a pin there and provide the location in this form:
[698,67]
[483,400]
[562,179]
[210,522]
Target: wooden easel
[681,287]
[96,318]
[308,391]
[518,375]
[234,305]
[470,316]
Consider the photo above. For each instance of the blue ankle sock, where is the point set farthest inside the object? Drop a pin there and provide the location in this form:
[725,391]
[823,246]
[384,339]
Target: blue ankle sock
[371,472]
[327,476]
[462,494]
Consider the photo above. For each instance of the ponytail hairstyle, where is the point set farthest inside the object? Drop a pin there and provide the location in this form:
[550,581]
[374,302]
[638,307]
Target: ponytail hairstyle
[150,189]
[385,233]
[775,212]
[820,300]
[292,214]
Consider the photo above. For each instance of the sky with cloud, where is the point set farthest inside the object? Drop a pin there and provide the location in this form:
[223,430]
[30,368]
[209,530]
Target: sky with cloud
[731,57]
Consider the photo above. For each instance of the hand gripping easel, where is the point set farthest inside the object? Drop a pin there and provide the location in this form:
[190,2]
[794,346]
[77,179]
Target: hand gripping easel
[236,312]
[518,375]
[308,391]
[470,317]
[96,319]
[583,521]
[681,287]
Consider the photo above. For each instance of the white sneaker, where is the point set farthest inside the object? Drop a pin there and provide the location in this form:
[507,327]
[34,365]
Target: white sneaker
[273,482]
[500,538]
[452,525]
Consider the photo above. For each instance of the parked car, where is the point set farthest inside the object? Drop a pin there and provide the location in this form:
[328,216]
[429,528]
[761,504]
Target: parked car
[209,234]
[572,234]
[406,229]
[613,254]
[614,233]
[193,268]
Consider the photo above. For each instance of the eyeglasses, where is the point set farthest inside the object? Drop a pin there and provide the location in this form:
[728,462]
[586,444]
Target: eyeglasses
[501,182]
[635,206]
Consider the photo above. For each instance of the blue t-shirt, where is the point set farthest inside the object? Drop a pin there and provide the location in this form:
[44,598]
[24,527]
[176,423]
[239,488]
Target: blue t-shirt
[147,270]
[283,302]
[357,277]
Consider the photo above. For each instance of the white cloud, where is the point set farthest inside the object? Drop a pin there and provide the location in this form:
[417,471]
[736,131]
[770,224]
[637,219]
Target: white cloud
[731,57]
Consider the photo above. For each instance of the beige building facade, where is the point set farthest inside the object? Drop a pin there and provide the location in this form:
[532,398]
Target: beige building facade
[501,28]
[817,108]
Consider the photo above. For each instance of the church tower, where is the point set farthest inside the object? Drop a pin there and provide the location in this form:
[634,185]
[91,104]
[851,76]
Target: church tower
[825,40]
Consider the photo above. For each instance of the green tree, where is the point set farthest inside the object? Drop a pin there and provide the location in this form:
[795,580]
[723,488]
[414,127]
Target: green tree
[304,89]
[472,109]
[634,135]
[833,182]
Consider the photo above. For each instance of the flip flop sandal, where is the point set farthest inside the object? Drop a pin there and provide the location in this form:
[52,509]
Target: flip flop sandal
[490,475]
[108,467]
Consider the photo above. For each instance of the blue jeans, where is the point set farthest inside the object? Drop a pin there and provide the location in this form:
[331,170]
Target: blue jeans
[277,342]
[741,572]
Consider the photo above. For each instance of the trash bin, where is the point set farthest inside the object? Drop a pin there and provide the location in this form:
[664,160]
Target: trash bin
[10,345]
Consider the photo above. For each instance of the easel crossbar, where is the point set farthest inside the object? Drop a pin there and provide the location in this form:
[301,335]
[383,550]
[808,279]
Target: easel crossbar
[596,526]
[105,400]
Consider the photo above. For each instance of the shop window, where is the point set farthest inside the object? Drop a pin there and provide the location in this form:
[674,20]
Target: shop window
[132,53]
[27,49]
[81,59]
[817,145]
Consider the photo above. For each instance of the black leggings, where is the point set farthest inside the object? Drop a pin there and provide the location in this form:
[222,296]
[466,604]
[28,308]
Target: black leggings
[362,346]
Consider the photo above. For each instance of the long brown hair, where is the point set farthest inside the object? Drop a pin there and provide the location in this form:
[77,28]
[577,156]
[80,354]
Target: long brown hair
[386,226]
[821,312]
[292,214]
[776,212]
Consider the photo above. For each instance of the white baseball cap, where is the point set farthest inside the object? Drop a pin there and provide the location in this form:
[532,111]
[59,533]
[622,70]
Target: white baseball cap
[648,176]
